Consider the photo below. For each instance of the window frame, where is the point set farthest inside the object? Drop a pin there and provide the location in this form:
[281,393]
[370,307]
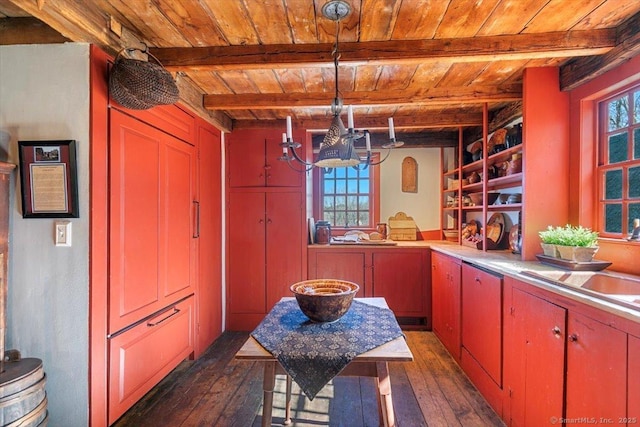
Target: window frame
[374,198]
[603,166]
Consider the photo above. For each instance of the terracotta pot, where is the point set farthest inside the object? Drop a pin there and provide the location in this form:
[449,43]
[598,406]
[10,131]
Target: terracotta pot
[550,249]
[577,253]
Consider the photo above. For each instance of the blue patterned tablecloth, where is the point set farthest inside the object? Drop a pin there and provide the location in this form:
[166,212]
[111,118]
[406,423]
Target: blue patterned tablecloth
[313,353]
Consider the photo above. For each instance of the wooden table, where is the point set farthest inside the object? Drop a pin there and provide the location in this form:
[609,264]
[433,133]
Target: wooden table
[373,363]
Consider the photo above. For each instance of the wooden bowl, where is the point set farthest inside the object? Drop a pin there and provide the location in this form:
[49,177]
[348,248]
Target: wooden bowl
[324,300]
[451,235]
[477,198]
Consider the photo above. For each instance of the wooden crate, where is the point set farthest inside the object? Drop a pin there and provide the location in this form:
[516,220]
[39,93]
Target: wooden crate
[402,227]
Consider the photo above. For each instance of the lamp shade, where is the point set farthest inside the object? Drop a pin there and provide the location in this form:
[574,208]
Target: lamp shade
[337,149]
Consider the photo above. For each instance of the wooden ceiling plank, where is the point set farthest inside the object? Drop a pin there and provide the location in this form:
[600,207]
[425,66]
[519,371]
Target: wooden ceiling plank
[378,23]
[463,19]
[582,70]
[266,19]
[419,19]
[560,15]
[231,18]
[511,17]
[28,31]
[302,18]
[435,96]
[468,49]
[196,27]
[608,14]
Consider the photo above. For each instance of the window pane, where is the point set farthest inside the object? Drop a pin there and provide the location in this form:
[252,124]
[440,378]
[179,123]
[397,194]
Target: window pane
[636,143]
[352,203]
[341,172]
[634,212]
[341,203]
[364,173]
[364,186]
[618,147]
[340,219]
[328,203]
[329,186]
[341,186]
[636,107]
[351,172]
[613,218]
[352,186]
[363,219]
[634,182]
[352,219]
[329,216]
[364,203]
[613,185]
[618,113]
[329,173]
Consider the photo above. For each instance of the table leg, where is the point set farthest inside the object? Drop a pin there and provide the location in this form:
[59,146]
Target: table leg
[287,408]
[268,384]
[384,390]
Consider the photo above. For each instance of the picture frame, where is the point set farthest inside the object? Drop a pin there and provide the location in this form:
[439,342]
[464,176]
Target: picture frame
[48,179]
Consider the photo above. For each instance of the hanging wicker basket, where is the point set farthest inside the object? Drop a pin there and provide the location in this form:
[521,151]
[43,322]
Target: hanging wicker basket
[141,85]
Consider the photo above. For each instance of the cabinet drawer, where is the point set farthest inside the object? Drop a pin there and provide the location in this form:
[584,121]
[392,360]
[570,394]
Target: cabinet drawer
[141,356]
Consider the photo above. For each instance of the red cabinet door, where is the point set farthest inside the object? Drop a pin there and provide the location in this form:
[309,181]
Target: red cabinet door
[534,362]
[245,157]
[445,282]
[152,248]
[343,265]
[209,231]
[482,319]
[401,278]
[286,234]
[596,370]
[279,173]
[247,269]
[633,381]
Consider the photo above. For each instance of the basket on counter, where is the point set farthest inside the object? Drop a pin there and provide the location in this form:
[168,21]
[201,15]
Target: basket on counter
[140,85]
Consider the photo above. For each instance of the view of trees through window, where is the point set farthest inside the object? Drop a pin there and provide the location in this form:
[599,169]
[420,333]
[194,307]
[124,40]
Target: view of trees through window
[619,163]
[346,194]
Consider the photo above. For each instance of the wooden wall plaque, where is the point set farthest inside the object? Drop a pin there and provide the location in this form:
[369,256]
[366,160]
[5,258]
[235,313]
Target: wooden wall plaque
[409,175]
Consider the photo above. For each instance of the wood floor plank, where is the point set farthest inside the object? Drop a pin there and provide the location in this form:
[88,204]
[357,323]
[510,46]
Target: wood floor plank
[218,390]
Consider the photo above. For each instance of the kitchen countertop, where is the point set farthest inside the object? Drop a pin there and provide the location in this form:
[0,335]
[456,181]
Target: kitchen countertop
[508,264]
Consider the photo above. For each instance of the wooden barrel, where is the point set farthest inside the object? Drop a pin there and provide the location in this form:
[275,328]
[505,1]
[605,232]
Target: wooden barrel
[22,393]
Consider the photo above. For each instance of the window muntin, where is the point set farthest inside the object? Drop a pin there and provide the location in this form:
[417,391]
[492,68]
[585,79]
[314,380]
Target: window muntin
[619,164]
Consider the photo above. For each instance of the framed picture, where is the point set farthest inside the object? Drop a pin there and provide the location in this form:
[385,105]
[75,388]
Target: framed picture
[48,177]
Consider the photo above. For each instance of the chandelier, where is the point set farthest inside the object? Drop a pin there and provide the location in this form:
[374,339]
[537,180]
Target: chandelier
[337,147]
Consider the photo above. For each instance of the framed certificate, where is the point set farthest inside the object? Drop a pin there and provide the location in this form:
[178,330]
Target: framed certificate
[48,178]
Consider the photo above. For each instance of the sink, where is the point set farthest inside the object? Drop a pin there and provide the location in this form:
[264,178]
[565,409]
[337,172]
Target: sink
[619,289]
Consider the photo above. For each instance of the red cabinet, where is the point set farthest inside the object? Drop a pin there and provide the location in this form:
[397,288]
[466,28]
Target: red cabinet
[596,369]
[266,236]
[253,160]
[445,285]
[535,332]
[209,232]
[152,247]
[400,275]
[482,319]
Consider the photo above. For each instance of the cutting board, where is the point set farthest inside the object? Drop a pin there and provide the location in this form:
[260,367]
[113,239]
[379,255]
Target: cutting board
[402,227]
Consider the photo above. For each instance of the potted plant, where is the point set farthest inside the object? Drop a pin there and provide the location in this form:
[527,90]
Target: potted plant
[578,244]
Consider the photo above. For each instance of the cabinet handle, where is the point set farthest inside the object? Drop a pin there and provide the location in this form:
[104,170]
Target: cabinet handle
[196,231]
[269,221]
[261,221]
[175,311]
[267,167]
[556,331]
[573,337]
[478,280]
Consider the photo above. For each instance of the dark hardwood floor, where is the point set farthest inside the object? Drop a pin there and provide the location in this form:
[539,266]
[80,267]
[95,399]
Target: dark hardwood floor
[217,390]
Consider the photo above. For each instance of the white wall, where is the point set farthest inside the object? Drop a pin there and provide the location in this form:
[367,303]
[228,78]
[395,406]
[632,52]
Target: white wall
[423,206]
[44,95]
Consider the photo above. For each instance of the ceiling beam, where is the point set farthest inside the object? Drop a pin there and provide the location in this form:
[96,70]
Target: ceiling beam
[443,119]
[468,49]
[580,70]
[436,96]
[28,31]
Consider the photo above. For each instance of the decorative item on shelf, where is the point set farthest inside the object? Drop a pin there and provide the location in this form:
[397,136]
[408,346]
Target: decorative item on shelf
[515,239]
[476,150]
[451,235]
[474,177]
[478,198]
[497,141]
[514,135]
[515,164]
[138,84]
[381,228]
[471,234]
[573,243]
[467,157]
[337,148]
[502,198]
[514,198]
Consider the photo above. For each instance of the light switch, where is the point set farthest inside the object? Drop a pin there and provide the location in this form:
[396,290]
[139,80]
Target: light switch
[63,233]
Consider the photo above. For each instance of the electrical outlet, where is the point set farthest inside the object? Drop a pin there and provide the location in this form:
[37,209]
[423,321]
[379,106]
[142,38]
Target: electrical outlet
[63,233]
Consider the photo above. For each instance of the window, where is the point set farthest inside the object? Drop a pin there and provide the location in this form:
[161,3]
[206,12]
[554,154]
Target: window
[347,197]
[619,164]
